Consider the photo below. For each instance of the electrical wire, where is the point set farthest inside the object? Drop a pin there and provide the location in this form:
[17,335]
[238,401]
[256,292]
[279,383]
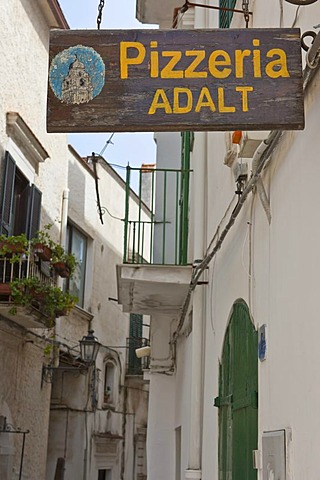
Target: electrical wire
[270,143]
[296,17]
[281,13]
[108,142]
[177,20]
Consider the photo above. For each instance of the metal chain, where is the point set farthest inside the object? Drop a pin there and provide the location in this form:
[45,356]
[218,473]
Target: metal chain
[245,8]
[99,17]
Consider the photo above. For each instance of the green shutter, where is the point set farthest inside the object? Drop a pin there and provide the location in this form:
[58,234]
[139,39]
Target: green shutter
[135,341]
[225,17]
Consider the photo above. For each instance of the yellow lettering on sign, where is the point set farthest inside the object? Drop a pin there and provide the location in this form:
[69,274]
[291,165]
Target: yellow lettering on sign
[256,59]
[154,61]
[214,63]
[244,91]
[176,97]
[160,100]
[239,57]
[190,70]
[167,71]
[221,105]
[125,61]
[277,68]
[205,100]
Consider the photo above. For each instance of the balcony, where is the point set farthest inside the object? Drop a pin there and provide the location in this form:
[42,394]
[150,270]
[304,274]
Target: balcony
[153,11]
[156,228]
[22,267]
[155,275]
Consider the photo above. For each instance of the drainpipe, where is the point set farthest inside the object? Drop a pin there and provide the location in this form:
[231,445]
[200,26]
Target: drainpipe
[64,218]
[63,236]
[195,435]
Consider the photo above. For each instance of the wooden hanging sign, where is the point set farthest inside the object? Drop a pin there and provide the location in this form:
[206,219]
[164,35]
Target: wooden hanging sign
[175,80]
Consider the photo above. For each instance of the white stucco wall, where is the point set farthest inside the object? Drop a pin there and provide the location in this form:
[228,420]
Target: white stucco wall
[24,41]
[274,269]
[100,437]
[24,38]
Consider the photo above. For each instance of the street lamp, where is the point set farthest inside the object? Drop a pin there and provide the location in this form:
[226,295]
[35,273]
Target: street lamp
[301,2]
[89,347]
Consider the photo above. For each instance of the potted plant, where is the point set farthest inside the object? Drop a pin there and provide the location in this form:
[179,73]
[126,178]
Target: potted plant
[64,263]
[60,303]
[42,244]
[14,244]
[51,301]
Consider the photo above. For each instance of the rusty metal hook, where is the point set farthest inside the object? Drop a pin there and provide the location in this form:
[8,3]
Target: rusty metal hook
[309,33]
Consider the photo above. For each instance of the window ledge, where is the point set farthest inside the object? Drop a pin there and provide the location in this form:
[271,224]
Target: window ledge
[81,313]
[108,406]
[25,139]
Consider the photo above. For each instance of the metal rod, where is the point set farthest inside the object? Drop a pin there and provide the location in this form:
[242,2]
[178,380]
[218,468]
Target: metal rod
[126,216]
[140,202]
[191,4]
[134,242]
[176,220]
[142,242]
[22,454]
[164,216]
[159,169]
[152,214]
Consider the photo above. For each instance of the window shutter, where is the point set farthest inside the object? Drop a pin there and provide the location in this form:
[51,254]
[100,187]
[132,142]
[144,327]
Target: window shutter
[225,16]
[34,212]
[136,325]
[7,195]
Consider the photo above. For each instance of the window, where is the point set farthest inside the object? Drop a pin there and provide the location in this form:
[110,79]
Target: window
[135,341]
[225,17]
[104,474]
[21,202]
[109,383]
[77,244]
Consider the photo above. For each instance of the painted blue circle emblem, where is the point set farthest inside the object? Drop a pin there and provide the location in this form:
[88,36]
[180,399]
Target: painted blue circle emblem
[77,74]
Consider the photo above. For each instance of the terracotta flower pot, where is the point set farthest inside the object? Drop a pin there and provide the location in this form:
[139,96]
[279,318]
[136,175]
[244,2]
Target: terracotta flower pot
[43,252]
[5,289]
[13,248]
[62,269]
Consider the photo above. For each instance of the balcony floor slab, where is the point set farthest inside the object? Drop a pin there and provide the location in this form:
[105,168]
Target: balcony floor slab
[150,289]
[27,317]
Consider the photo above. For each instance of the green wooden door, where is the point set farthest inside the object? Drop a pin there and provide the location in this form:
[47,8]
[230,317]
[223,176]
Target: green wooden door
[238,398]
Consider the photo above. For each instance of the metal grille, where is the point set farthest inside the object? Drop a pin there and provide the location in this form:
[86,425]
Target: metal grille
[155,229]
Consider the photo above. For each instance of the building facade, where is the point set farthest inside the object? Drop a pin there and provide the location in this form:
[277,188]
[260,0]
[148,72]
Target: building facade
[234,330]
[61,416]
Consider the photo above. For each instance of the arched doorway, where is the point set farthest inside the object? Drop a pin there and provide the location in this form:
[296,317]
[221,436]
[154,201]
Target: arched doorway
[238,397]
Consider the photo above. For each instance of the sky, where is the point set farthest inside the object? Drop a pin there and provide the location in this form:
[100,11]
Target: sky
[132,148]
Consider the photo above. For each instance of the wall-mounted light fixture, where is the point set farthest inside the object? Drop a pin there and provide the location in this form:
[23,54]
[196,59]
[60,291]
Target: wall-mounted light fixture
[89,348]
[143,352]
[301,2]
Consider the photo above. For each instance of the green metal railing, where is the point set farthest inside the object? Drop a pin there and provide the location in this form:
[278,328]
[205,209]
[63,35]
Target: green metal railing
[156,228]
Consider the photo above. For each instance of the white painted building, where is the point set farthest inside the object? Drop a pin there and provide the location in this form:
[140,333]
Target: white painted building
[33,177]
[214,396]
[60,417]
[98,415]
